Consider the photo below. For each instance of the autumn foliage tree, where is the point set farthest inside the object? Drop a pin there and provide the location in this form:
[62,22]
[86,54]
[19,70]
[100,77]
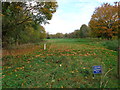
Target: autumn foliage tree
[104,21]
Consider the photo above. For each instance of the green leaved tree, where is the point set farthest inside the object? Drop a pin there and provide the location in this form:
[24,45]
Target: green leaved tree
[84,31]
[18,17]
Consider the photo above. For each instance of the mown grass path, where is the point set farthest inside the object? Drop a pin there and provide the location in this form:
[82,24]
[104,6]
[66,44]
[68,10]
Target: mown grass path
[66,63]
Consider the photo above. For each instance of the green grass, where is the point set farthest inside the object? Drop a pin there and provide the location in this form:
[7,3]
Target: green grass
[111,44]
[66,63]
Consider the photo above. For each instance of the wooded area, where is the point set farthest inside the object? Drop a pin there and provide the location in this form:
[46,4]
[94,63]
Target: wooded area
[21,22]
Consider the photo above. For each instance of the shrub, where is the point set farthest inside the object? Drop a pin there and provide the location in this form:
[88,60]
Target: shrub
[111,44]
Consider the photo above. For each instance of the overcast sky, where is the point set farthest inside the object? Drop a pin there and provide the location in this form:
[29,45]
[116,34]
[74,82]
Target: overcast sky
[71,14]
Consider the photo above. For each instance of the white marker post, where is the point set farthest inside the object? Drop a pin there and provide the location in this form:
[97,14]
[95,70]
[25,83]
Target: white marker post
[45,46]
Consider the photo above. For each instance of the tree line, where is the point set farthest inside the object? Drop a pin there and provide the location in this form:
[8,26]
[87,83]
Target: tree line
[22,22]
[83,32]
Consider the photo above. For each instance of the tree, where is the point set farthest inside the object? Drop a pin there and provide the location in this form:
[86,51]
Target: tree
[104,21]
[16,16]
[48,35]
[42,32]
[65,35]
[76,33]
[84,31]
[59,35]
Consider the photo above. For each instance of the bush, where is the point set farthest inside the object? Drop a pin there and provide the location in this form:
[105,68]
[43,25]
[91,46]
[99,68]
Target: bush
[111,44]
[114,37]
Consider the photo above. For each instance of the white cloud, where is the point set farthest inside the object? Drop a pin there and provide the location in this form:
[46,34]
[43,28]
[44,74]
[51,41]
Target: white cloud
[71,16]
[67,22]
[59,24]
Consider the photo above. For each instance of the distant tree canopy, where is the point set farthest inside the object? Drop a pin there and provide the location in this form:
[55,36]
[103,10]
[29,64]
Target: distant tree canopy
[74,34]
[104,21]
[21,21]
[57,35]
[84,31]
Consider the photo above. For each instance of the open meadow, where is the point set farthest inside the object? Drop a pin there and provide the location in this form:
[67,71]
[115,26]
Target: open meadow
[66,63]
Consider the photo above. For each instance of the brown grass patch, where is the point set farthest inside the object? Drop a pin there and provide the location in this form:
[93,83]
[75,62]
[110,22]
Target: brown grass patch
[20,50]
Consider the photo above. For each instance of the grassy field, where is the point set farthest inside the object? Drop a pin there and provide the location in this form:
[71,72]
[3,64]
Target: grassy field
[66,63]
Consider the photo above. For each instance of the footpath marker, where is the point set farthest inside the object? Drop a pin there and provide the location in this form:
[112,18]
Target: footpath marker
[45,46]
[97,70]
